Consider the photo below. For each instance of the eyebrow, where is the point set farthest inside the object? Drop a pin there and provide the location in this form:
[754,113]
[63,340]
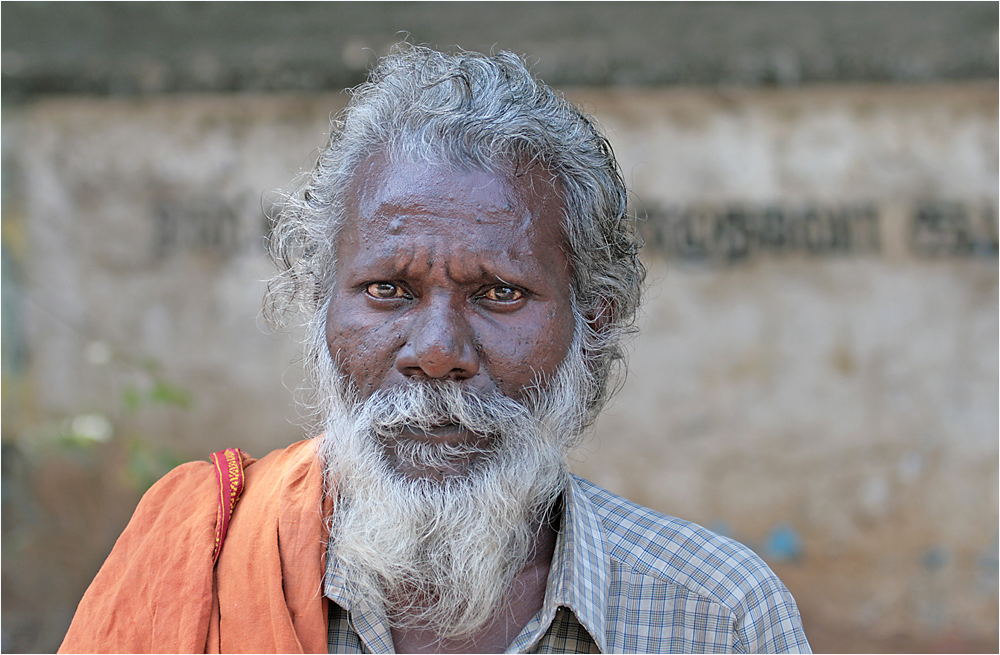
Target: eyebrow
[389,262]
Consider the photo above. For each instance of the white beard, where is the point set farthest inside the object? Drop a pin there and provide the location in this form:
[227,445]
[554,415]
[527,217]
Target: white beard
[442,554]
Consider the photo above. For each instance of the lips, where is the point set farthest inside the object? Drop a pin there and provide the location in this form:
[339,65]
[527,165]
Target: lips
[448,433]
[436,453]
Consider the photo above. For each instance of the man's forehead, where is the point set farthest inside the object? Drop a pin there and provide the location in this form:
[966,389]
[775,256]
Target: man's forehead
[406,217]
[383,183]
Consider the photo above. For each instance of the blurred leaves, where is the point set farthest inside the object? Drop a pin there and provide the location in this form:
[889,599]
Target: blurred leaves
[71,479]
[168,394]
[160,393]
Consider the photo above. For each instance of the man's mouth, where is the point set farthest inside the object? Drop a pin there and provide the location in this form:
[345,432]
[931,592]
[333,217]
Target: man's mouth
[451,434]
[460,448]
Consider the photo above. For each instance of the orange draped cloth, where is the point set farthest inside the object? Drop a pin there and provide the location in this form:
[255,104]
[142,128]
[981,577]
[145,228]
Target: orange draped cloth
[158,591]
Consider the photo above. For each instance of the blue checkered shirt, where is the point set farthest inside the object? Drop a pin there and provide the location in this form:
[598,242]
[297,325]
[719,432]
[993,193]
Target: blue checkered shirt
[625,579]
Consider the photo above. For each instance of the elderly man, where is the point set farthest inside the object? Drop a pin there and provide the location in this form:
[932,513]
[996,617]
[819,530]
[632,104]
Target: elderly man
[468,270]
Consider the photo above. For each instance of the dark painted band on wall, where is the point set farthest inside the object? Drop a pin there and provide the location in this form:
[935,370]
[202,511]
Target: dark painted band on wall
[954,228]
[737,232]
[700,233]
[210,225]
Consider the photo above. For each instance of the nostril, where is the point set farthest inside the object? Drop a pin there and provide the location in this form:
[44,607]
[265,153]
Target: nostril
[439,344]
[454,361]
[453,364]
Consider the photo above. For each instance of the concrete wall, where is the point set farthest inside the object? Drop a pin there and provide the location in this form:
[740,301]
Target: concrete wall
[816,374]
[823,386]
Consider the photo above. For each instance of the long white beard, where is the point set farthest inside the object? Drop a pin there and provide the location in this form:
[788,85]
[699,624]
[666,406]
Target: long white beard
[442,554]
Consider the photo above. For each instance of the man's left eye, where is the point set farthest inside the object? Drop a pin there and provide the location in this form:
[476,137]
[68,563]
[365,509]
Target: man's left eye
[503,294]
[385,290]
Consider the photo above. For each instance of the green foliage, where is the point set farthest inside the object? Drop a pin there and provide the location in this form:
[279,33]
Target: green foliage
[108,431]
[132,398]
[165,393]
[159,392]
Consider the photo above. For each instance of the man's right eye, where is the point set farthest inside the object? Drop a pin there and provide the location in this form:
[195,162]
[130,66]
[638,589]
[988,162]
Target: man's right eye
[385,290]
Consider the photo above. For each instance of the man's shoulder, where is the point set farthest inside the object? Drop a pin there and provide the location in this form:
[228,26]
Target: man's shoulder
[195,485]
[676,586]
[645,542]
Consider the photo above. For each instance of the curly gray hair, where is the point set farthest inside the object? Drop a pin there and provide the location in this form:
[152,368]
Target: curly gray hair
[486,112]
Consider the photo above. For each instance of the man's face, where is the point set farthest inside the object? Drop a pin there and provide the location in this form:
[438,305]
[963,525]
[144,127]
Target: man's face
[450,275]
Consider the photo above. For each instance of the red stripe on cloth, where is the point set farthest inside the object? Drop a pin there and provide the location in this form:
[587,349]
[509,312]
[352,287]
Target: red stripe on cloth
[228,465]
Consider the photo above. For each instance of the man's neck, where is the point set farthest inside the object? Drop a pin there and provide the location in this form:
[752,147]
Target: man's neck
[525,599]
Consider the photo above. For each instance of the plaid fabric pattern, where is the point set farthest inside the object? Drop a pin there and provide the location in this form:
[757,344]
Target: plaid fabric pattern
[626,579]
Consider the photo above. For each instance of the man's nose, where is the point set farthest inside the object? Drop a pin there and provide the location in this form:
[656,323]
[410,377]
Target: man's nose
[440,345]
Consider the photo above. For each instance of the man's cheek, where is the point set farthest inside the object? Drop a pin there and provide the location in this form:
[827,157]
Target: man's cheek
[363,355]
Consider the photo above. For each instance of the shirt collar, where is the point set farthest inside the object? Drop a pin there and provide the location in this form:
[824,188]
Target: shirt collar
[369,623]
[580,565]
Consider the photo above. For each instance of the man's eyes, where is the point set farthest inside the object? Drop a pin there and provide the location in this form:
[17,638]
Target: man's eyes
[385,290]
[503,294]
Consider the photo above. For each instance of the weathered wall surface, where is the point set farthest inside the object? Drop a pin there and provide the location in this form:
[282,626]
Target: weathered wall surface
[140,49]
[816,374]
[146,232]
[817,370]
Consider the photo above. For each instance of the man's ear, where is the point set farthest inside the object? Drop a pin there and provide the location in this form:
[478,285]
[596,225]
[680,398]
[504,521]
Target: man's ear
[600,317]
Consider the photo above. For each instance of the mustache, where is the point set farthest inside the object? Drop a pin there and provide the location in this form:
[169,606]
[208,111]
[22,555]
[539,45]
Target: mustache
[425,406]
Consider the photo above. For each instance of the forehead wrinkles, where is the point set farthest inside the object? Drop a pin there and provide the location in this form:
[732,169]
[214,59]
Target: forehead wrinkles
[392,205]
[419,258]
